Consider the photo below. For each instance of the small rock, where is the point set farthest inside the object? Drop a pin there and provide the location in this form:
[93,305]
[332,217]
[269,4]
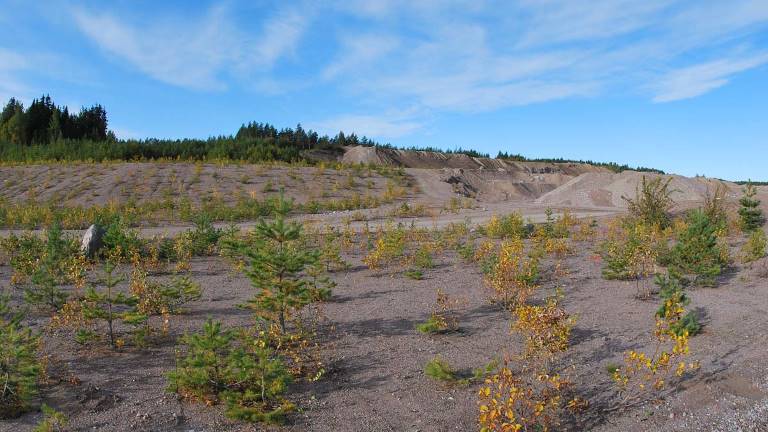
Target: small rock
[92,240]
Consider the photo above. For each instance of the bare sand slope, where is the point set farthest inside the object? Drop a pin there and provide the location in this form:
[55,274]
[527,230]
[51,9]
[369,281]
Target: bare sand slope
[607,189]
[434,160]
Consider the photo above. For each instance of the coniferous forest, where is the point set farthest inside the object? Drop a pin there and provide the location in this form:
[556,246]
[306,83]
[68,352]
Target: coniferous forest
[44,131]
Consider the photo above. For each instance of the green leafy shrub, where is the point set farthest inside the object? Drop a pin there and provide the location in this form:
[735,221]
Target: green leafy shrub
[19,365]
[204,237]
[466,251]
[632,255]
[432,325]
[221,366]
[119,239]
[49,264]
[423,257]
[509,226]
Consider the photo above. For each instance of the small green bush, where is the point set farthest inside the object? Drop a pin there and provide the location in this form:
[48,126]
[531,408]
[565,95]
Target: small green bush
[423,258]
[415,274]
[221,366]
[52,421]
[119,239]
[431,326]
[652,202]
[671,288]
[439,370]
[697,250]
[509,226]
[18,363]
[755,247]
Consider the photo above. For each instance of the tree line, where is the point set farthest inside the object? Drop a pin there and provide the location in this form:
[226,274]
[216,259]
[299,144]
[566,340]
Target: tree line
[45,131]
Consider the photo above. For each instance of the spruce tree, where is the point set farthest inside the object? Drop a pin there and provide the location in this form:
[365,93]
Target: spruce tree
[751,215]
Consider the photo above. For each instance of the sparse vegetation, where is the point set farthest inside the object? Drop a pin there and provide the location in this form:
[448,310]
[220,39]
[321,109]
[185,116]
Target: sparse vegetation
[752,217]
[697,250]
[221,366]
[19,366]
[652,202]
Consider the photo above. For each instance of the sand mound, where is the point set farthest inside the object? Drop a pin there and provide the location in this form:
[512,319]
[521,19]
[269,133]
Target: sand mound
[491,180]
[434,160]
[606,189]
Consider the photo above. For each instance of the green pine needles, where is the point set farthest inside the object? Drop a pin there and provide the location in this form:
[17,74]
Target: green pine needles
[19,367]
[697,251]
[751,215]
[233,368]
[51,271]
[672,295]
[110,307]
[277,261]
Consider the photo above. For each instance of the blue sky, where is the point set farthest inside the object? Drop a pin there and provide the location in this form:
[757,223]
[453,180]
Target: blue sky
[676,85]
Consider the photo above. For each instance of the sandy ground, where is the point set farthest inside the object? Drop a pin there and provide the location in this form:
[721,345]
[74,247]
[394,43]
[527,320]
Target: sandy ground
[375,357]
[97,184]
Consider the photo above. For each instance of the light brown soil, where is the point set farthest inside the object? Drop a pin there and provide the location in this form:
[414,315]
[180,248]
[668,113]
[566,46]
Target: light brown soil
[375,357]
[97,184]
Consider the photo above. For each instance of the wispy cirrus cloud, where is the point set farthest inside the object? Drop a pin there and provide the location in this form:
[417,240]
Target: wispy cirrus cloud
[504,54]
[10,64]
[388,125]
[196,55]
[696,80]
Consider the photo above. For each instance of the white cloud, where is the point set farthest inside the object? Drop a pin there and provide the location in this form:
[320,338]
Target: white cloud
[564,21]
[696,80]
[360,52]
[280,37]
[11,85]
[384,126]
[193,54]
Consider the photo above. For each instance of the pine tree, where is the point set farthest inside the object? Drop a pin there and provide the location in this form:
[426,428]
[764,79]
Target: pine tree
[697,251]
[672,295]
[19,367]
[50,272]
[109,306]
[751,215]
[276,260]
[234,368]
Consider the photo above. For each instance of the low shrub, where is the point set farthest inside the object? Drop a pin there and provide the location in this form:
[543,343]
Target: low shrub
[755,247]
[652,202]
[698,251]
[18,363]
[236,369]
[506,227]
[439,370]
